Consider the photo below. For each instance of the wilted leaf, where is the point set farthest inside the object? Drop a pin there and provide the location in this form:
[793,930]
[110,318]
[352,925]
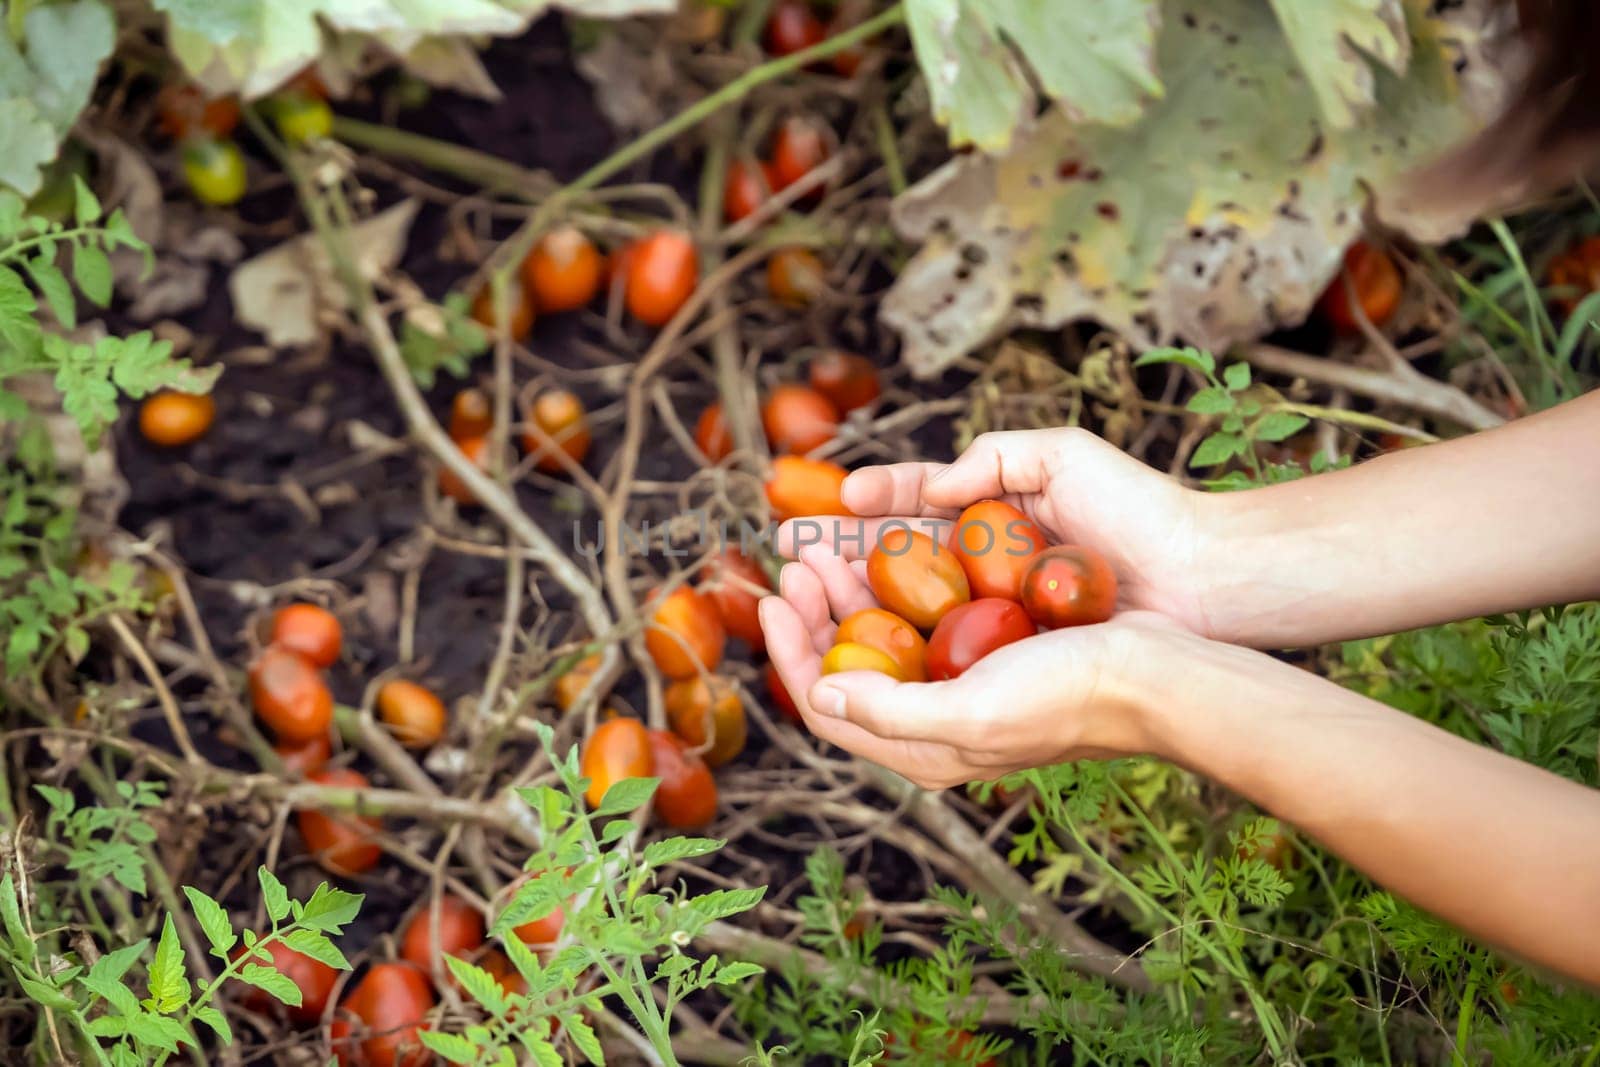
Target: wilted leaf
[1332,39]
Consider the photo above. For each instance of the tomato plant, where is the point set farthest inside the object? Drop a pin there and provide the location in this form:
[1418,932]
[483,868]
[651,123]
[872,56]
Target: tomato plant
[390,1003]
[792,27]
[995,542]
[971,631]
[310,630]
[891,635]
[1378,287]
[699,710]
[569,686]
[800,146]
[685,634]
[505,973]
[853,656]
[519,311]
[471,415]
[687,796]
[305,758]
[849,380]
[414,714]
[795,277]
[619,748]
[313,978]
[747,186]
[541,933]
[1069,585]
[175,419]
[563,270]
[215,171]
[342,844]
[780,695]
[662,272]
[798,419]
[915,577]
[290,696]
[476,449]
[728,581]
[184,112]
[461,931]
[802,487]
[561,415]
[711,434]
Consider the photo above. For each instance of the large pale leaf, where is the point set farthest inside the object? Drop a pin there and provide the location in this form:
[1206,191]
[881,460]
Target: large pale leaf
[1218,216]
[1329,37]
[45,81]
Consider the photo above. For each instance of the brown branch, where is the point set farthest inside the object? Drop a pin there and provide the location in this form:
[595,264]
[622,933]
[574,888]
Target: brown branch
[1400,384]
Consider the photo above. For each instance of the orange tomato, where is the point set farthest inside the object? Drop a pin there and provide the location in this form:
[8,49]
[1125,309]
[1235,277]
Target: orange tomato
[342,844]
[290,696]
[686,799]
[851,656]
[727,581]
[801,487]
[305,759]
[662,272]
[415,716]
[388,1005]
[561,416]
[618,749]
[461,931]
[698,710]
[780,695]
[745,189]
[916,577]
[476,449]
[891,635]
[849,380]
[313,978]
[1069,585]
[800,146]
[791,27]
[505,973]
[971,631]
[309,630]
[471,415]
[685,635]
[569,686]
[184,111]
[174,419]
[994,543]
[1577,269]
[519,311]
[795,277]
[797,418]
[1377,284]
[563,270]
[711,434]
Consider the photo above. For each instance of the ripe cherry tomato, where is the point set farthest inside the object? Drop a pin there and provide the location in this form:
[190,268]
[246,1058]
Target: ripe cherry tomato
[461,931]
[780,695]
[184,112]
[995,542]
[290,696]
[853,656]
[342,844]
[711,434]
[687,796]
[1578,270]
[415,716]
[727,581]
[800,146]
[305,759]
[916,577]
[471,415]
[1069,585]
[795,277]
[519,311]
[505,973]
[174,419]
[801,487]
[891,635]
[476,449]
[798,419]
[745,188]
[848,62]
[619,748]
[309,630]
[561,416]
[563,271]
[662,272]
[215,171]
[694,704]
[541,933]
[972,631]
[313,978]
[386,1009]
[301,118]
[1377,285]
[849,380]
[686,634]
[791,28]
[568,687]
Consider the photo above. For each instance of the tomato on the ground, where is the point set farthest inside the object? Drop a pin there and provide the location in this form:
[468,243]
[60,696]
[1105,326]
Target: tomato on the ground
[1069,585]
[413,713]
[570,686]
[541,933]
[563,270]
[799,147]
[184,111]
[798,419]
[730,581]
[916,577]
[662,272]
[995,542]
[471,414]
[854,656]
[172,420]
[801,487]
[711,434]
[561,415]
[972,631]
[687,796]
[385,1011]
[313,978]
[780,695]
[1378,287]
[745,188]
[1577,272]
[290,696]
[476,449]
[891,635]
[461,932]
[300,118]
[215,171]
[792,27]
[700,710]
[849,380]
[305,758]
[310,630]
[341,843]
[519,311]
[795,276]
[619,748]
[504,972]
[685,635]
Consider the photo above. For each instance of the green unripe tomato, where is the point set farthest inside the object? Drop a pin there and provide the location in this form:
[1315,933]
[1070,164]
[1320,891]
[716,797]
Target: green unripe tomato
[301,118]
[215,171]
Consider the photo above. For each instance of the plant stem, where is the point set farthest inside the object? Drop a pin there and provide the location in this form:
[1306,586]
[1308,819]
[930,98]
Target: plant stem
[469,164]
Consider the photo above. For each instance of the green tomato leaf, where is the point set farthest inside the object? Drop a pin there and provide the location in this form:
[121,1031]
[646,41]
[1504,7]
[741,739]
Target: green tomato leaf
[216,1021]
[676,849]
[1218,448]
[44,994]
[1279,426]
[316,945]
[272,981]
[329,909]
[273,894]
[11,915]
[169,977]
[453,1047]
[627,795]
[1236,376]
[1212,400]
[480,985]
[213,920]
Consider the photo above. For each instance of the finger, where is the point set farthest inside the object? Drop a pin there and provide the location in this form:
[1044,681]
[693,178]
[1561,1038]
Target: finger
[931,766]
[895,711]
[847,593]
[892,490]
[855,538]
[798,663]
[800,587]
[996,464]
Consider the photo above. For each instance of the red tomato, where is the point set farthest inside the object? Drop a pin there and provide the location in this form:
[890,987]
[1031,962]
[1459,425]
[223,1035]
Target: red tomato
[972,631]
[697,709]
[1576,270]
[505,973]
[745,189]
[561,416]
[711,434]
[687,796]
[342,844]
[460,933]
[619,748]
[290,696]
[798,419]
[995,542]
[184,112]
[389,1004]
[852,656]
[891,635]
[305,759]
[313,978]
[175,419]
[686,634]
[801,487]
[916,577]
[780,695]
[1377,283]
[1069,585]
[570,686]
[413,714]
[848,62]
[476,449]
[309,630]
[519,311]
[563,270]
[542,933]
[849,380]
[471,415]
[727,581]
[801,146]
[795,277]
[791,28]
[662,272]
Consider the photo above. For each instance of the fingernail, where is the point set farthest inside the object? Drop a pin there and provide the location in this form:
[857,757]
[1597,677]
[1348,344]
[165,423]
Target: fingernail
[826,700]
